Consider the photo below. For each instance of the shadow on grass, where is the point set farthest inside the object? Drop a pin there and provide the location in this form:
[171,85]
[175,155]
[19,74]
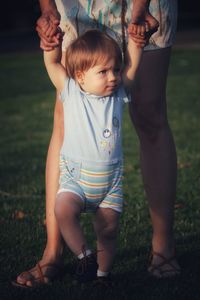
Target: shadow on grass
[131,280]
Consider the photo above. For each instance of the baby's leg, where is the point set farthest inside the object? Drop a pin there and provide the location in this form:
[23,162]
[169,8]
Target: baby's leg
[106,226]
[67,211]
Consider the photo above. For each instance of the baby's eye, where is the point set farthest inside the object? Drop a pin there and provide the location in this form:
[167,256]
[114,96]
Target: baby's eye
[103,72]
[117,70]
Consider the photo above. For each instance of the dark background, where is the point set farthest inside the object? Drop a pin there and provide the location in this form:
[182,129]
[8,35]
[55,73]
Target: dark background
[18,19]
[22,14]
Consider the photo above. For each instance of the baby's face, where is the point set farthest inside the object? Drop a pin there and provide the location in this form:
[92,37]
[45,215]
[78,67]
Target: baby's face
[102,79]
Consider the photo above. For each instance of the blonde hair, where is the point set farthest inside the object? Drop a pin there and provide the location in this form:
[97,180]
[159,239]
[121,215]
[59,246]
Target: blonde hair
[89,49]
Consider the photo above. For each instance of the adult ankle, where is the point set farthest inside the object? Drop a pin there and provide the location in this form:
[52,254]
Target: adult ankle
[165,246]
[52,255]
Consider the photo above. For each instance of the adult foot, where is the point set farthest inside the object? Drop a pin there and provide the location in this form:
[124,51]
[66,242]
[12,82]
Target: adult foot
[39,275]
[162,266]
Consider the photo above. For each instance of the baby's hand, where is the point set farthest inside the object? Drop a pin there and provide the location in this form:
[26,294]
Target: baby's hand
[138,33]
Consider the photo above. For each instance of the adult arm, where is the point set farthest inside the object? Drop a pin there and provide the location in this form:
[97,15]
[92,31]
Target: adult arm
[47,25]
[46,5]
[140,14]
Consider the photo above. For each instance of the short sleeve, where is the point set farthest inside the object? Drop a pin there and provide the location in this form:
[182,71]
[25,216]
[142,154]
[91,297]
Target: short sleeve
[69,87]
[122,94]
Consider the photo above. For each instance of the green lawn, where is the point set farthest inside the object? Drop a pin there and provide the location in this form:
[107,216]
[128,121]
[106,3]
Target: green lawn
[26,112]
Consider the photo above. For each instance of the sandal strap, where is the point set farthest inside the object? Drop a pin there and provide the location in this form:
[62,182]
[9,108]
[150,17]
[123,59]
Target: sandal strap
[166,261]
[40,273]
[57,269]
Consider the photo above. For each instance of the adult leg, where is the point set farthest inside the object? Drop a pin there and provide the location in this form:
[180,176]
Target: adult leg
[106,227]
[148,112]
[54,247]
[53,251]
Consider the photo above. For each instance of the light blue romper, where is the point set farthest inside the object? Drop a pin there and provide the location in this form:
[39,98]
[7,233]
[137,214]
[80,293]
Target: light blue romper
[91,154]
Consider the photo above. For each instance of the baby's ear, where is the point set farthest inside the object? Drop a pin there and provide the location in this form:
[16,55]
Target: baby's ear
[80,77]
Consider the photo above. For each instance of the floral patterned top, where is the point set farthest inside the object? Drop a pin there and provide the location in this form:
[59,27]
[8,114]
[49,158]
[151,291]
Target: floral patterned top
[106,15]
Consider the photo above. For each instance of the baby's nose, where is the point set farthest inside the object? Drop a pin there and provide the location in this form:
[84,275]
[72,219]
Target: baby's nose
[112,76]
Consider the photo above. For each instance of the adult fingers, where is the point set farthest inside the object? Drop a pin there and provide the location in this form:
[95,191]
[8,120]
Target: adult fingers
[51,30]
[132,29]
[42,33]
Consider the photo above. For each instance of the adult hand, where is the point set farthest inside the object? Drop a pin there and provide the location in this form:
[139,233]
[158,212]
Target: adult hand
[48,30]
[141,15]
[138,33]
[153,24]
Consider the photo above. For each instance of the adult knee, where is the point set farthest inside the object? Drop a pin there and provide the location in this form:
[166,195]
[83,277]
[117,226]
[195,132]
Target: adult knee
[149,119]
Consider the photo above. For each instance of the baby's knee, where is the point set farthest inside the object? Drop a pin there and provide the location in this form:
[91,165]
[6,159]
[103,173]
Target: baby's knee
[62,208]
[108,231]
[67,207]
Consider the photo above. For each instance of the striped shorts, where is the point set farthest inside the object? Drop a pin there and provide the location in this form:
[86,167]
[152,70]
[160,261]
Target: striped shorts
[97,186]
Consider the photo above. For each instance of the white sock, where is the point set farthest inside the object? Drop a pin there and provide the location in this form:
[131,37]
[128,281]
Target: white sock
[86,253]
[102,274]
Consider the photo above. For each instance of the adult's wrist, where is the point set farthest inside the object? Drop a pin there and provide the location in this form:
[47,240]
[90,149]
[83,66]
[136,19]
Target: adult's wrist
[139,9]
[47,6]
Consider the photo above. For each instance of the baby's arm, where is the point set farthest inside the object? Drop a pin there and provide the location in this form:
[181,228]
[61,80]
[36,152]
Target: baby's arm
[133,54]
[55,69]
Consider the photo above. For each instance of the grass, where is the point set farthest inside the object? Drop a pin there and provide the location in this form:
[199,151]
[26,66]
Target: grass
[26,113]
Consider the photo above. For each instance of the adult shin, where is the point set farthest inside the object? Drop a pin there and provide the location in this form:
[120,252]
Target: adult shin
[148,112]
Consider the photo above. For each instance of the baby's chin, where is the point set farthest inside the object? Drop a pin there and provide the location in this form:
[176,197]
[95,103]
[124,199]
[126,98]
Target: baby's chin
[110,90]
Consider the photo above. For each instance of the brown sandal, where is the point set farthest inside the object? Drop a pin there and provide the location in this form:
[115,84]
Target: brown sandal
[52,272]
[160,270]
